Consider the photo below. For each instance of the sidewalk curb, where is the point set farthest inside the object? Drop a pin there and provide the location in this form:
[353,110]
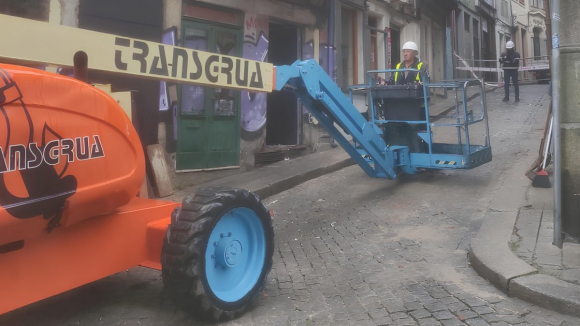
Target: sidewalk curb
[293,181]
[493,260]
[269,186]
[490,255]
[549,292]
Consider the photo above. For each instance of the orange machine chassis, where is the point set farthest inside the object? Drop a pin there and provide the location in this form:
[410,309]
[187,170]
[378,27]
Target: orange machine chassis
[85,252]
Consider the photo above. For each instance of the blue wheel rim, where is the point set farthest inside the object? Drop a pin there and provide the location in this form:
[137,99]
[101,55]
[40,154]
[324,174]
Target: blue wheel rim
[235,254]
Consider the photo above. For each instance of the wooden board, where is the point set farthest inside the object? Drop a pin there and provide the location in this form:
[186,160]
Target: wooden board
[160,171]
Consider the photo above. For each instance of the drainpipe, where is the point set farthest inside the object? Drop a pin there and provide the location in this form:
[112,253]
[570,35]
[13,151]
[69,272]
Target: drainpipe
[330,41]
[558,239]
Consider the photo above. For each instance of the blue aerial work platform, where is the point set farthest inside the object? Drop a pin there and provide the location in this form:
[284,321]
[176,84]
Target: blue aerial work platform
[401,111]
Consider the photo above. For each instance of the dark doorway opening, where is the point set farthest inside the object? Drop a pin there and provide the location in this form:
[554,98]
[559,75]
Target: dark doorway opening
[121,18]
[282,115]
[395,46]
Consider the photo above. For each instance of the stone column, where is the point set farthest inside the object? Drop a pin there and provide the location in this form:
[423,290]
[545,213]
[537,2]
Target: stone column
[171,17]
[172,14]
[570,115]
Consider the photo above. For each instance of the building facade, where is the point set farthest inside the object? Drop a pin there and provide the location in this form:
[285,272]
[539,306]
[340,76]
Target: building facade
[205,128]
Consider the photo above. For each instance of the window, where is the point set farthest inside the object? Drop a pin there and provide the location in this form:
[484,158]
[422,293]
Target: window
[476,40]
[374,48]
[536,41]
[504,8]
[349,47]
[537,3]
[466,21]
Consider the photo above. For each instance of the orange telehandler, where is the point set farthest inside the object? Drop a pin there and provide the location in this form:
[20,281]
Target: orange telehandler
[71,165]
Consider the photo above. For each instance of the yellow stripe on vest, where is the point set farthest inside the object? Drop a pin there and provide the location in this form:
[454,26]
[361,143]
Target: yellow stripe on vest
[418,74]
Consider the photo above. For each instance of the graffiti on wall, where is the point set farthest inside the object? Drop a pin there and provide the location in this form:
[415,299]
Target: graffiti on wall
[253,104]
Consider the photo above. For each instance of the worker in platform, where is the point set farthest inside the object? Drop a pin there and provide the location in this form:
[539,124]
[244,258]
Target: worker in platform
[410,52]
[404,134]
[510,60]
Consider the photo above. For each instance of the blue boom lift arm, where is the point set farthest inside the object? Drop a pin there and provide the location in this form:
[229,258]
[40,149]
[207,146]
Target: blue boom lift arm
[327,103]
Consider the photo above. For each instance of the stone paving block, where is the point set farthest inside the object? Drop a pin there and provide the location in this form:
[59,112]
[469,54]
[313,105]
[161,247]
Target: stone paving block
[443,315]
[548,260]
[452,322]
[448,300]
[494,299]
[362,323]
[440,294]
[548,216]
[415,287]
[466,314]
[482,310]
[528,233]
[513,319]
[571,275]
[394,306]
[399,315]
[548,249]
[429,322]
[427,299]
[474,302]
[359,316]
[457,306]
[501,323]
[413,305]
[530,215]
[508,198]
[338,318]
[477,322]
[421,313]
[527,244]
[505,308]
[406,322]
[571,255]
[452,289]
[491,318]
[545,232]
[437,306]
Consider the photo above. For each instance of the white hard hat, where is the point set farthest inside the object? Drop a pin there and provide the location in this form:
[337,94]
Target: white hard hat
[509,45]
[411,46]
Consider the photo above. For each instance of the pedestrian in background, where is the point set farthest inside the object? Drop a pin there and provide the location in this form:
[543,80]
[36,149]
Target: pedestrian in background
[510,59]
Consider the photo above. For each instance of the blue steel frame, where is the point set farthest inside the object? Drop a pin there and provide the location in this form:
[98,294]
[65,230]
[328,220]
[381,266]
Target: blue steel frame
[327,103]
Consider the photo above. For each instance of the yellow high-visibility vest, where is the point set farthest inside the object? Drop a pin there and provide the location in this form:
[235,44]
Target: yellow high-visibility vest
[418,74]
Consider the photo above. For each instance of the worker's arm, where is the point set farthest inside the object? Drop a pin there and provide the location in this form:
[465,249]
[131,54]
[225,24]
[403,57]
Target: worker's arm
[392,79]
[516,58]
[424,73]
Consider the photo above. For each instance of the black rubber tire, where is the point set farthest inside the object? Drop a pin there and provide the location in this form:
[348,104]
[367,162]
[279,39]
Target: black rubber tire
[182,257]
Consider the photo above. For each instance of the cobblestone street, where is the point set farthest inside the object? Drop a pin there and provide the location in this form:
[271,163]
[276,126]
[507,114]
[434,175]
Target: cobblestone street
[351,250]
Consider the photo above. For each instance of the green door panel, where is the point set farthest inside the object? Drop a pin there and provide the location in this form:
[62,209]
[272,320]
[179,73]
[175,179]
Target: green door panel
[209,119]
